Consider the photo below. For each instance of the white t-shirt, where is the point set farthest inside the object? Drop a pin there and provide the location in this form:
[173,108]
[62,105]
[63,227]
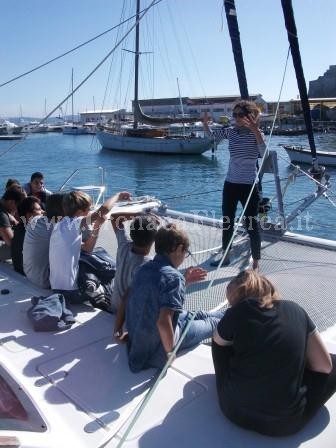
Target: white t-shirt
[64,252]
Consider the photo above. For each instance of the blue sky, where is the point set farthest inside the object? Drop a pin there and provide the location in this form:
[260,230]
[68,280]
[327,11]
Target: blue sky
[189,40]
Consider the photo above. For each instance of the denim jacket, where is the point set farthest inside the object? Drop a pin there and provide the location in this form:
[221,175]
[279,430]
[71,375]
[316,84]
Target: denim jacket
[156,285]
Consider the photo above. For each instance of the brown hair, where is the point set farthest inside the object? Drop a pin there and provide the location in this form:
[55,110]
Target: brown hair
[250,283]
[75,201]
[143,230]
[249,107]
[54,206]
[27,205]
[168,239]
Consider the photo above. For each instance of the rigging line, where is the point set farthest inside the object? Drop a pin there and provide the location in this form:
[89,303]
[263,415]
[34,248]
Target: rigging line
[96,68]
[307,175]
[194,60]
[13,145]
[191,194]
[165,61]
[112,59]
[73,49]
[178,41]
[330,200]
[288,204]
[184,333]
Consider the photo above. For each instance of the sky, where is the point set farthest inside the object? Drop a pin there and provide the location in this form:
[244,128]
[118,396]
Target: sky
[184,39]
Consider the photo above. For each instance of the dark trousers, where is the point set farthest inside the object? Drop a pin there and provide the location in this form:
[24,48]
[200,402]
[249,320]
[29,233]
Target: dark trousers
[320,387]
[232,194]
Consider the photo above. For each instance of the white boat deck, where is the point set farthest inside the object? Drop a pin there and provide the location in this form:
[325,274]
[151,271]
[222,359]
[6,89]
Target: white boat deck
[83,388]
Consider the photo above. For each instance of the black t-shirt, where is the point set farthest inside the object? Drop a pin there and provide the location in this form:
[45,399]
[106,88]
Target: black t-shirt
[4,218]
[266,368]
[17,246]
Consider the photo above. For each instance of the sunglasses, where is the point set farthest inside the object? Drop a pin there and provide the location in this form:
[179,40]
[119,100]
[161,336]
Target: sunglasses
[239,114]
[187,253]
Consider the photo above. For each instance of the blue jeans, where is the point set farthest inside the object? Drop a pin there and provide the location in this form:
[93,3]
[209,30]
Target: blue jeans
[202,327]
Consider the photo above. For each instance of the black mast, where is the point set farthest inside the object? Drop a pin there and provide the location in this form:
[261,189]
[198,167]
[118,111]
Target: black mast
[136,68]
[231,17]
[295,50]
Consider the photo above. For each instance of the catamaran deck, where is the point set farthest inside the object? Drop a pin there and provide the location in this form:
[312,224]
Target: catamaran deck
[86,394]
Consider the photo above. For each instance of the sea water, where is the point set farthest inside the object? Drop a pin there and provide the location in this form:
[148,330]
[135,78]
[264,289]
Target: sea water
[186,183]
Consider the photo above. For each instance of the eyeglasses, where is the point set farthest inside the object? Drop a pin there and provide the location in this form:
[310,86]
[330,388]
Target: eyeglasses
[187,253]
[239,114]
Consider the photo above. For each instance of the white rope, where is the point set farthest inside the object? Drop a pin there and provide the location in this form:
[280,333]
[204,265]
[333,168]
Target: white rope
[176,348]
[307,175]
[154,2]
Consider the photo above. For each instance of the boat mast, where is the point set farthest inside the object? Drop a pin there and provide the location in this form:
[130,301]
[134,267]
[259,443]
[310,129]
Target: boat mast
[72,102]
[231,17]
[136,68]
[295,50]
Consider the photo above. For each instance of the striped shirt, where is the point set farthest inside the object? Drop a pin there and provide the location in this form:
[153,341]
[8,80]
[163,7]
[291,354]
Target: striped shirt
[244,152]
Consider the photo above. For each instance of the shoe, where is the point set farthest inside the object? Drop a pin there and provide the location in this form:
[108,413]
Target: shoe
[219,261]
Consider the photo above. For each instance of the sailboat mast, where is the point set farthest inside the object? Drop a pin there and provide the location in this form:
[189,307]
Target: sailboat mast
[295,50]
[136,65]
[72,102]
[231,18]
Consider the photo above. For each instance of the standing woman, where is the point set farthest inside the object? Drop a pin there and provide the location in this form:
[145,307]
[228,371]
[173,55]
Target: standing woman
[246,144]
[273,372]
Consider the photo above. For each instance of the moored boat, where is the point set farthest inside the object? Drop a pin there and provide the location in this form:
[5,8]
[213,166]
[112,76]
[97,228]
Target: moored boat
[300,154]
[133,141]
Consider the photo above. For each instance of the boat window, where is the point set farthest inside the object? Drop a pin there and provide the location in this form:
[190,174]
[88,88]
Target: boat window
[17,411]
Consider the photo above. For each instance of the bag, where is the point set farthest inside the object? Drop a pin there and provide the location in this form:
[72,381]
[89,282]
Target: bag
[99,263]
[50,313]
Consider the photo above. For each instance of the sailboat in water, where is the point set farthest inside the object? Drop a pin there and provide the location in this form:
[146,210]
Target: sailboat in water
[73,128]
[154,138]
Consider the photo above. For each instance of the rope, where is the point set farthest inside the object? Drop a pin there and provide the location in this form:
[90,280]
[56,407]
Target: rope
[330,200]
[176,348]
[308,175]
[13,145]
[74,49]
[154,2]
[187,195]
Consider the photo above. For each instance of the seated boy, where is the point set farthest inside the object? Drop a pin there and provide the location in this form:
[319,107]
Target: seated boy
[37,239]
[66,240]
[131,254]
[8,209]
[28,208]
[155,317]
[36,188]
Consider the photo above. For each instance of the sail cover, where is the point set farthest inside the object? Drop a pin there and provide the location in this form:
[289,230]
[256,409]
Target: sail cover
[160,121]
[231,17]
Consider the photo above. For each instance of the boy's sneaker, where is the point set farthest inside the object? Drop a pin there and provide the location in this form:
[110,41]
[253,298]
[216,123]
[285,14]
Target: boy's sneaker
[219,260]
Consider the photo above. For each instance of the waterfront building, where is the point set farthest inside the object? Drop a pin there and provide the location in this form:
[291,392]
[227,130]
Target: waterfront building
[104,115]
[217,107]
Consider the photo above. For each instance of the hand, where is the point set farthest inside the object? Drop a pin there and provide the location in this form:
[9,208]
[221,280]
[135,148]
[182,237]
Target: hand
[195,274]
[250,122]
[13,221]
[121,336]
[123,196]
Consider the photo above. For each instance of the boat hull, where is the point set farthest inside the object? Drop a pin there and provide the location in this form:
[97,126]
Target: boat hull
[154,145]
[303,155]
[74,130]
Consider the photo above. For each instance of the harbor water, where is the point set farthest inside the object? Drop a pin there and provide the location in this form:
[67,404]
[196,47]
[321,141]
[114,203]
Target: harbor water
[185,183]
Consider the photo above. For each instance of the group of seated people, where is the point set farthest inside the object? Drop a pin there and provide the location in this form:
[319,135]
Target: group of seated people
[272,369]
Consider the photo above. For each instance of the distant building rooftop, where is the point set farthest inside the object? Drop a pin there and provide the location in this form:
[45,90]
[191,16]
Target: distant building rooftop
[102,111]
[196,100]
